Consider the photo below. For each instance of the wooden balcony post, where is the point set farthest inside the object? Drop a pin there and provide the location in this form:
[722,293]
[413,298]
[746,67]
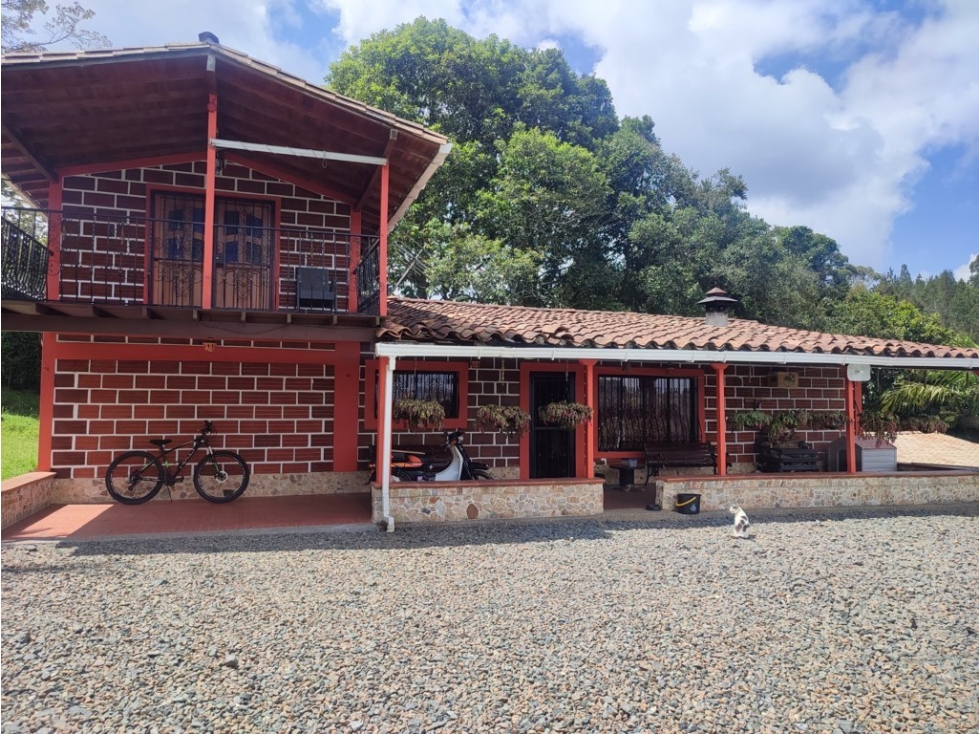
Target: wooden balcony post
[210,175]
[383,246]
[54,240]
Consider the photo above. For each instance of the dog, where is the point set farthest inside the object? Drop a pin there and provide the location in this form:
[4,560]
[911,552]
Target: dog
[740,522]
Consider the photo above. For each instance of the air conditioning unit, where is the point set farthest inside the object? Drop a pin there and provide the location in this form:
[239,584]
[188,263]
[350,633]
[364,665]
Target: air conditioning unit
[783,379]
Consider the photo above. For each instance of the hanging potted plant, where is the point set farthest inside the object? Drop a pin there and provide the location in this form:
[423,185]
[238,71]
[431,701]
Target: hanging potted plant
[509,420]
[419,414]
[565,414]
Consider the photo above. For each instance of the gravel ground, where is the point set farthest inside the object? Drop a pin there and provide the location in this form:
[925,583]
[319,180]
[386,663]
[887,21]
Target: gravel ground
[841,622]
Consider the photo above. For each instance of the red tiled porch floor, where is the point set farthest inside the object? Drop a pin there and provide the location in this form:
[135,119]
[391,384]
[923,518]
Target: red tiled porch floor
[161,517]
[191,516]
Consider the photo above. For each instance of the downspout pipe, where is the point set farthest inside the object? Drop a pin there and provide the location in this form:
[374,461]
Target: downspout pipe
[384,460]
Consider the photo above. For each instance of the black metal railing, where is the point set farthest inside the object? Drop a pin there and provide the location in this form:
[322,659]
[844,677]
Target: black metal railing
[368,279]
[121,260]
[25,255]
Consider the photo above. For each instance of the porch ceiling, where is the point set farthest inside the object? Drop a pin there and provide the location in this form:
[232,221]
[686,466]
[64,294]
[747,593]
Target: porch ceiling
[61,111]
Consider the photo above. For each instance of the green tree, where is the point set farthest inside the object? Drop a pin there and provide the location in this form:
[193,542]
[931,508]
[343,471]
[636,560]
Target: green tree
[65,24]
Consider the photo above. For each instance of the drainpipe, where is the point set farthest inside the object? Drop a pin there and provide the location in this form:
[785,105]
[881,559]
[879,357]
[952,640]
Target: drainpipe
[384,460]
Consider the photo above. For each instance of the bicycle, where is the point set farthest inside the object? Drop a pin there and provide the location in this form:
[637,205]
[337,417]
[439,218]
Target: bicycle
[135,477]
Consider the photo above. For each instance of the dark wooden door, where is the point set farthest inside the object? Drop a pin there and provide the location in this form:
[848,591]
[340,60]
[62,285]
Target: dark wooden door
[551,447]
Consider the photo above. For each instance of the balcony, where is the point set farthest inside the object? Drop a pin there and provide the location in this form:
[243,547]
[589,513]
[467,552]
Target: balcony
[122,266]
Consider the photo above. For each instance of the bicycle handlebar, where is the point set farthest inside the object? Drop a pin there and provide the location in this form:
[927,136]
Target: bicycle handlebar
[208,427]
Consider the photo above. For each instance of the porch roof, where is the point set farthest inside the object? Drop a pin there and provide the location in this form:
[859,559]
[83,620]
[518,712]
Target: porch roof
[643,337]
[68,110]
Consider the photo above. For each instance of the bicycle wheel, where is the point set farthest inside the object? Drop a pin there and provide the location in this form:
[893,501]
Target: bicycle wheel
[134,477]
[221,476]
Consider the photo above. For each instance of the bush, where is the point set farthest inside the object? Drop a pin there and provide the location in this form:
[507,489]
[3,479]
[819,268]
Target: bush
[20,352]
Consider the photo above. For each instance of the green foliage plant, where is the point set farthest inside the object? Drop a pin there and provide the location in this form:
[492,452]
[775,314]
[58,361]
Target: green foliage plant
[509,420]
[565,414]
[419,414]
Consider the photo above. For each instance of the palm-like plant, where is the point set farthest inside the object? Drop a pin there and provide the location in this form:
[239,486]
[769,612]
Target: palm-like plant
[953,395]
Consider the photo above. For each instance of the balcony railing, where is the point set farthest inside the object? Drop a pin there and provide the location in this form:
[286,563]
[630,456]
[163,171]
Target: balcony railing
[114,260]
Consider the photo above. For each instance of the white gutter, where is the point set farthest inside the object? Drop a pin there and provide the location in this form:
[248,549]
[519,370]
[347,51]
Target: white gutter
[416,349]
[420,184]
[384,463]
[300,152]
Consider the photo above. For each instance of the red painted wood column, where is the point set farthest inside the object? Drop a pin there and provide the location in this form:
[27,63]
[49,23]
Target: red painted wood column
[346,399]
[207,294]
[49,356]
[591,400]
[353,286]
[721,420]
[54,241]
[851,425]
[383,245]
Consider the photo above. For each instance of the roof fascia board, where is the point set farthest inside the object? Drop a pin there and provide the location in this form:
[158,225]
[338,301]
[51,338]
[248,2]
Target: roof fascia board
[298,152]
[415,349]
[420,184]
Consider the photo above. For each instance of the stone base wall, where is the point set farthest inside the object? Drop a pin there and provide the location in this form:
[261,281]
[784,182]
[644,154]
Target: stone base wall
[453,501]
[823,490]
[24,495]
[93,491]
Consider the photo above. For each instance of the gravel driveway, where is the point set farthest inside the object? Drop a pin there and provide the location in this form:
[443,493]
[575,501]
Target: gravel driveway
[863,621]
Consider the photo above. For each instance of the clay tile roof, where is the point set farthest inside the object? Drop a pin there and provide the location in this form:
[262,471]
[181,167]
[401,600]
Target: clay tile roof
[474,323]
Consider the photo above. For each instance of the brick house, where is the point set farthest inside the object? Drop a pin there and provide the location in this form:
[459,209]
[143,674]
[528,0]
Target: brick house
[210,242]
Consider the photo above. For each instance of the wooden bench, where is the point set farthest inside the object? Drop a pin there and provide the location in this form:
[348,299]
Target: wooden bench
[802,457]
[670,455]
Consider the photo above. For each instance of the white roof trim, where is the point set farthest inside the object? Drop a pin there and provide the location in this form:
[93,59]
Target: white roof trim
[633,356]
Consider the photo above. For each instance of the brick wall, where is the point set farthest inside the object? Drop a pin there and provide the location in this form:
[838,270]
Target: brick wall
[106,259]
[747,388]
[278,416]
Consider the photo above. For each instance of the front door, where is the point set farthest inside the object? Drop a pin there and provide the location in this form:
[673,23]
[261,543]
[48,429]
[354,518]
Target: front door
[551,447]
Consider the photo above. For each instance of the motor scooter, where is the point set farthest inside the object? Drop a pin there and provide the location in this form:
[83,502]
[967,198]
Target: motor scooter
[416,466]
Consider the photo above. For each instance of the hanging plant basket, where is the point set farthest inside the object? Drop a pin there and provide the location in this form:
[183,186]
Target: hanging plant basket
[419,414]
[509,420]
[565,414]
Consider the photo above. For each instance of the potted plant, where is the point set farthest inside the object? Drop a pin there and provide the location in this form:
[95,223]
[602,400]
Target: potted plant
[565,414]
[878,424]
[424,414]
[509,420]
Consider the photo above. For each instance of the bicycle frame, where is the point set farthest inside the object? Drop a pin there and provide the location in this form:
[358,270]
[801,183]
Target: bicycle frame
[170,478]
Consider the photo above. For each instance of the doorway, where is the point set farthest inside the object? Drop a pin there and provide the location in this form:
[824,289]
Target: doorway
[552,452]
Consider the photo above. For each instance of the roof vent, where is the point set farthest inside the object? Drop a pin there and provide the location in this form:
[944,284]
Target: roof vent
[717,304]
[208,37]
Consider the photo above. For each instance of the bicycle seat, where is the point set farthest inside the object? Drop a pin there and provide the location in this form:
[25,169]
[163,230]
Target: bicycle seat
[161,442]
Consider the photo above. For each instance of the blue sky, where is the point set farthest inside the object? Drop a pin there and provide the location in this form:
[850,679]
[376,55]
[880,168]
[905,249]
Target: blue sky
[858,118]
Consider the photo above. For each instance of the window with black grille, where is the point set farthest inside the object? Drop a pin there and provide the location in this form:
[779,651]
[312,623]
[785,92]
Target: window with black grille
[641,409]
[442,387]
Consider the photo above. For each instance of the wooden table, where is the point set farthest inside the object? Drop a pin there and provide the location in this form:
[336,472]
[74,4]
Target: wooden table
[627,473]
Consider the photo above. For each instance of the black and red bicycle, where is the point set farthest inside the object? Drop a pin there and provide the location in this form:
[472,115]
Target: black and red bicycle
[137,476]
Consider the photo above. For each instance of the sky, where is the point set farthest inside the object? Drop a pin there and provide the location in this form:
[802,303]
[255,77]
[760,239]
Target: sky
[857,118]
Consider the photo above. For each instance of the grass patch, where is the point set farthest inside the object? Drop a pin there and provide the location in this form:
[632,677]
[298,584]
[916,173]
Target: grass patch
[19,421]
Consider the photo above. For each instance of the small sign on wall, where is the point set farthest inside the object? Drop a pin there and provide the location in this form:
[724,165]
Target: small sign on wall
[783,379]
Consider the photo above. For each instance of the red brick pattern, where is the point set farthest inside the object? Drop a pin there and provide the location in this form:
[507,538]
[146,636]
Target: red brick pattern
[278,416]
[104,228]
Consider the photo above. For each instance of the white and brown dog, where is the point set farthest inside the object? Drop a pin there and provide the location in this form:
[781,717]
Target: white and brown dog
[740,522]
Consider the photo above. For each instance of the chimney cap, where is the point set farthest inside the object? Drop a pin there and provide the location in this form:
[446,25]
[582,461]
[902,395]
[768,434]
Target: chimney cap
[208,37]
[717,300]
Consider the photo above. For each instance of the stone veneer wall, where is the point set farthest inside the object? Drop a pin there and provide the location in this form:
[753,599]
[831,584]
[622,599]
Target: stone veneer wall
[451,501]
[22,496]
[823,490]
[93,491]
